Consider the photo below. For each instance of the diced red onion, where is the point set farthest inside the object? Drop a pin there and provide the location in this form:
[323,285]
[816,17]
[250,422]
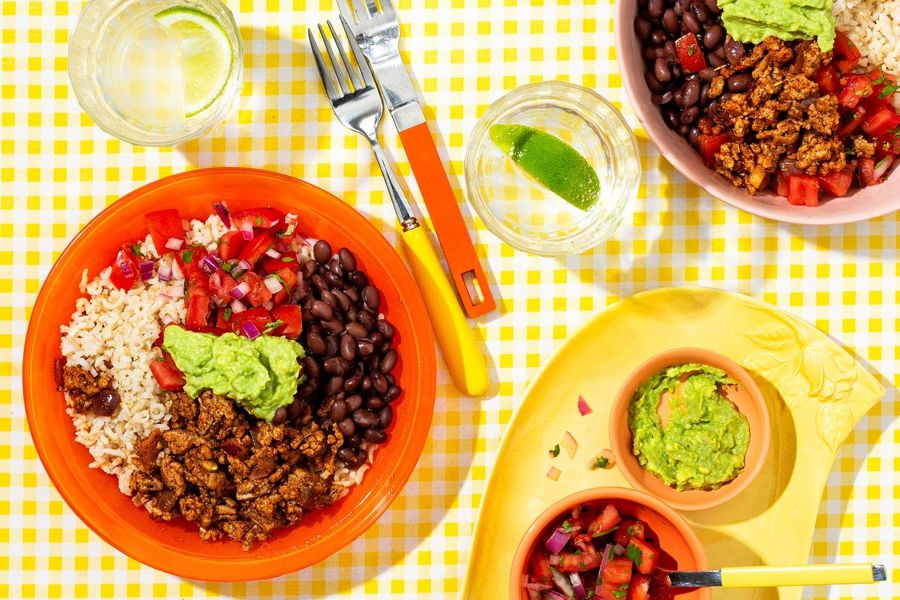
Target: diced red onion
[537,587]
[577,586]
[125,267]
[209,264]
[244,265]
[569,443]
[618,549]
[237,306]
[176,271]
[273,285]
[165,271]
[881,167]
[554,595]
[533,594]
[583,407]
[240,290]
[146,269]
[268,305]
[222,210]
[553,473]
[247,231]
[250,330]
[557,540]
[603,561]
[166,319]
[273,253]
[174,244]
[562,582]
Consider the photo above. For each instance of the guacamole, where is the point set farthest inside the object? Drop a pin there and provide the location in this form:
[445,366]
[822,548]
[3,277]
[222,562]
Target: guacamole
[753,20]
[705,440]
[261,374]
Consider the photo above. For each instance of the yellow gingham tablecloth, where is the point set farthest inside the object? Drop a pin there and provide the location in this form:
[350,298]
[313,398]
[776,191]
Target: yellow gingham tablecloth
[57,170]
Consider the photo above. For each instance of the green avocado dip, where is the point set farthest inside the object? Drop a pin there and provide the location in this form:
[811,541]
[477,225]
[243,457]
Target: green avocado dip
[753,20]
[705,440]
[261,374]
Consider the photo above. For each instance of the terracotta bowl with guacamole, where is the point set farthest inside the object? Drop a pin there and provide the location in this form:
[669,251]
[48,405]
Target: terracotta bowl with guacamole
[691,427]
[858,205]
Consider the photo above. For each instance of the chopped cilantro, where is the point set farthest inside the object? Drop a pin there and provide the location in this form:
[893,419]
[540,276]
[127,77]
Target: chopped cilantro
[567,527]
[581,566]
[554,452]
[888,90]
[634,553]
[601,462]
[619,593]
[186,256]
[227,267]
[272,326]
[287,259]
[226,314]
[630,531]
[258,221]
[610,554]
[136,248]
[278,278]
[692,50]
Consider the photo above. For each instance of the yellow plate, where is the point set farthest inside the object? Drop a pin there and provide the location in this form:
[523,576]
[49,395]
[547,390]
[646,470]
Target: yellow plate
[815,391]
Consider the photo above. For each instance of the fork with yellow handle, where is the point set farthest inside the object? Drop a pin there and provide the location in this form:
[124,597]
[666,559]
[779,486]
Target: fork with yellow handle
[778,576]
[358,106]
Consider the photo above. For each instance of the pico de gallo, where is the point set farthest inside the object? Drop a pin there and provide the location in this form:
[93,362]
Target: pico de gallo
[595,552]
[245,282]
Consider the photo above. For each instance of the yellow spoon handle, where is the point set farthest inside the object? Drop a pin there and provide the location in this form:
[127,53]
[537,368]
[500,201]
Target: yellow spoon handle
[454,334]
[774,576]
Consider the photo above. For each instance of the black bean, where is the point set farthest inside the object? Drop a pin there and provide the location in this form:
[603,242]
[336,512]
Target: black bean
[322,252]
[653,83]
[358,279]
[343,302]
[694,135]
[690,23]
[672,117]
[319,282]
[338,411]
[713,6]
[332,346]
[707,74]
[352,313]
[714,61]
[385,328]
[683,130]
[365,347]
[347,456]
[388,361]
[308,268]
[379,383]
[691,93]
[378,340]
[335,366]
[348,261]
[334,280]
[364,417]
[354,402]
[335,267]
[740,82]
[366,383]
[348,347]
[375,436]
[681,6]
[704,94]
[280,416]
[650,53]
[655,8]
[391,379]
[385,416]
[689,115]
[393,393]
[676,71]
[296,408]
[316,342]
[334,386]
[347,427]
[371,298]
[713,36]
[357,330]
[352,381]
[670,52]
[734,51]
[374,403]
[105,402]
[307,390]
[699,10]
[670,21]
[658,37]
[360,456]
[333,326]
[661,70]
[642,28]
[322,310]
[310,367]
[678,98]
[328,298]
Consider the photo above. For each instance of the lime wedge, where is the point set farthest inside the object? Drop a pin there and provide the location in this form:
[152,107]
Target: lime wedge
[204,53]
[551,162]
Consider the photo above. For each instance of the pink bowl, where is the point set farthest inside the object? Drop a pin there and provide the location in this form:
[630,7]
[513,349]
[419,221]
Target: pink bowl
[860,205]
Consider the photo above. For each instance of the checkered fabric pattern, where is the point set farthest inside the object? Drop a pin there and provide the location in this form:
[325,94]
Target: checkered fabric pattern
[57,170]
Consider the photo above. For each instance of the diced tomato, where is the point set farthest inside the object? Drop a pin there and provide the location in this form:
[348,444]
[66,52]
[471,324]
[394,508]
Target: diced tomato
[260,317]
[866,172]
[881,122]
[689,53]
[164,225]
[881,80]
[710,144]
[262,218]
[273,265]
[540,568]
[803,190]
[256,248]
[586,558]
[223,318]
[617,571]
[608,519]
[230,245]
[627,530]
[289,281]
[648,555]
[829,79]
[857,88]
[837,183]
[167,375]
[189,260]
[124,268]
[781,186]
[259,294]
[291,319]
[198,308]
[220,286]
[856,119]
[639,588]
[846,54]
[610,591]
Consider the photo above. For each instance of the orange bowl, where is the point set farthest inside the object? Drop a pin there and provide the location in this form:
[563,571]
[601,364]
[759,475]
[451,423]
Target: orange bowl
[680,548]
[748,400]
[175,547]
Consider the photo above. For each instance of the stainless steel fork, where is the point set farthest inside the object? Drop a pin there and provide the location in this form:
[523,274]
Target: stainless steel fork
[357,104]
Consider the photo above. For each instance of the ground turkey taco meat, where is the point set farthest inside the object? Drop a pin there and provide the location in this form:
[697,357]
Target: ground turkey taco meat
[704,442]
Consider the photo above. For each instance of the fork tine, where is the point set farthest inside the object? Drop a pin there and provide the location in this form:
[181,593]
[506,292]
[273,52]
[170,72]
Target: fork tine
[354,77]
[373,7]
[324,72]
[388,9]
[335,65]
[360,10]
[360,59]
[347,10]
